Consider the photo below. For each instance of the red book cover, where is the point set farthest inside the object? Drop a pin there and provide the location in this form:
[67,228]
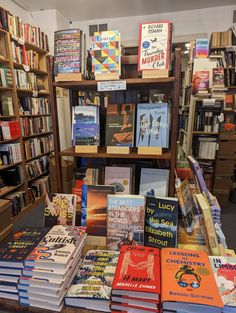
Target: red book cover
[138,270]
[200,81]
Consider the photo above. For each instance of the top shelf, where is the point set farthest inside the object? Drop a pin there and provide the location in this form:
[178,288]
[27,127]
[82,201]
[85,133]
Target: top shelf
[131,82]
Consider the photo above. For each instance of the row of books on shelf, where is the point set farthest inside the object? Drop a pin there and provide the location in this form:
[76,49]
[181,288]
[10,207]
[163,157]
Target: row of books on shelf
[18,201]
[29,81]
[10,153]
[5,77]
[36,146]
[21,31]
[205,147]
[35,125]
[12,176]
[33,106]
[222,39]
[40,186]
[37,167]
[23,56]
[6,105]
[152,125]
[207,116]
[225,58]
[9,130]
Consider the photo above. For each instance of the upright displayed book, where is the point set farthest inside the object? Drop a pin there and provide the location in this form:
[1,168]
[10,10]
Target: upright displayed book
[152,125]
[91,287]
[120,177]
[218,77]
[94,208]
[62,210]
[154,46]
[161,221]
[200,82]
[106,53]
[120,125]
[188,283]
[202,48]
[125,221]
[85,125]
[154,182]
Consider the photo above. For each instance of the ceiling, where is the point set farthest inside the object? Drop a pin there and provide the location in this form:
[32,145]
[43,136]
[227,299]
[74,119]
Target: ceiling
[78,10]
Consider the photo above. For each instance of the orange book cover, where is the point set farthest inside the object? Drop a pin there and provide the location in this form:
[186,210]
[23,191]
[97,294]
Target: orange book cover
[186,278]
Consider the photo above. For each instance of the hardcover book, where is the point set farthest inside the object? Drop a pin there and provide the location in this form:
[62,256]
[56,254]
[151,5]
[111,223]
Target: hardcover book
[154,46]
[85,125]
[188,283]
[161,221]
[94,208]
[106,52]
[200,82]
[61,211]
[120,177]
[152,125]
[125,221]
[224,269]
[91,287]
[218,77]
[138,273]
[154,182]
[120,125]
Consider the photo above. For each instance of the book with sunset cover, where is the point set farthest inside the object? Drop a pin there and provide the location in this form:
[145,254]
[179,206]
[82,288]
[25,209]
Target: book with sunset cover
[186,278]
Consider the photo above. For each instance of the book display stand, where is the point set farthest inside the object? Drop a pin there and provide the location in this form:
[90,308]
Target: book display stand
[86,149]
[68,77]
[118,150]
[155,73]
[108,76]
[150,150]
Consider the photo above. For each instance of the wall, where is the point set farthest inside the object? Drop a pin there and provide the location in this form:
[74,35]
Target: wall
[16,10]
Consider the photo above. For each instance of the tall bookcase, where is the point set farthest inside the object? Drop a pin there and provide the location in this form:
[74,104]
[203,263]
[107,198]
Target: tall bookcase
[172,84]
[19,114]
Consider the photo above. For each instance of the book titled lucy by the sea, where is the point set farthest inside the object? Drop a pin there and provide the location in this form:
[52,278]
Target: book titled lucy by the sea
[152,125]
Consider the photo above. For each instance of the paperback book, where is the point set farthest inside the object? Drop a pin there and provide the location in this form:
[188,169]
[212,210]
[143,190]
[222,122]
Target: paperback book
[152,125]
[125,221]
[202,48]
[200,82]
[120,177]
[218,77]
[154,182]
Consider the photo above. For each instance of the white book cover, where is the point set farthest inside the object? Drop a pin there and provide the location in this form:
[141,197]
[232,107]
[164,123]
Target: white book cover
[154,182]
[120,177]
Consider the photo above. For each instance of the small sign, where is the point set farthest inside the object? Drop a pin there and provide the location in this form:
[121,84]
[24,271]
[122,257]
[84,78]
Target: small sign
[35,94]
[221,118]
[113,85]
[202,48]
[26,67]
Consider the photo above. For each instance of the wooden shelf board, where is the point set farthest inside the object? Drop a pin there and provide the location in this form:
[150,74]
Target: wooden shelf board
[33,178]
[30,46]
[129,81]
[205,133]
[7,116]
[102,154]
[34,115]
[231,87]
[37,135]
[3,167]
[6,232]
[3,60]
[33,70]
[40,93]
[5,88]
[6,189]
[28,208]
[227,137]
[8,140]
[38,156]
[183,131]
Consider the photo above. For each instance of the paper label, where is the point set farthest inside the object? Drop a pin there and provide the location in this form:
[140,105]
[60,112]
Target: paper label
[111,85]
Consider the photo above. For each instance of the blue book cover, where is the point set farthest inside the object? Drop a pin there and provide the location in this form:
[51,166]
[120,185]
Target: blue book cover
[154,182]
[152,125]
[85,127]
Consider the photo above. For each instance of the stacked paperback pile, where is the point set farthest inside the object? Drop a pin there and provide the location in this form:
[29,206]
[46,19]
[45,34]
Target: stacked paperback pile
[12,255]
[51,267]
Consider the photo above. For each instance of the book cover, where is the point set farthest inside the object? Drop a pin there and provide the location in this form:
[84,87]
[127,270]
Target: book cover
[106,52]
[161,221]
[94,208]
[186,278]
[202,48]
[218,77]
[85,125]
[200,81]
[61,211]
[120,177]
[154,41]
[138,270]
[120,125]
[125,221]
[152,125]
[224,269]
[94,278]
[154,182]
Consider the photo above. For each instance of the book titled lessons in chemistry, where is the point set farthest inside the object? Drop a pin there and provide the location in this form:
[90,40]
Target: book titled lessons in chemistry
[152,125]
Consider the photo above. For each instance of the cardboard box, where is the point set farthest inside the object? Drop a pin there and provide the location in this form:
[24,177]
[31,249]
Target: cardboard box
[5,214]
[224,167]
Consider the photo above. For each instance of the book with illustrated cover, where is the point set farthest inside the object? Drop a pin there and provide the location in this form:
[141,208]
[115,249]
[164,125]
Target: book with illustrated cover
[224,269]
[62,210]
[120,177]
[154,46]
[202,48]
[94,208]
[91,287]
[200,82]
[120,125]
[161,221]
[138,273]
[106,52]
[152,125]
[154,182]
[125,221]
[57,248]
[188,283]
[218,77]
[85,125]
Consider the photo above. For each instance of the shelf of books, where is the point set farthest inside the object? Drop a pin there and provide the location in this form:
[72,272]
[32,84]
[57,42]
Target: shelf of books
[26,140]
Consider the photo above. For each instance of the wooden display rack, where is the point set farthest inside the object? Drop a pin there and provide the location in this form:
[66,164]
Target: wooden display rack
[86,149]
[73,77]
[150,150]
[118,150]
[155,73]
[108,76]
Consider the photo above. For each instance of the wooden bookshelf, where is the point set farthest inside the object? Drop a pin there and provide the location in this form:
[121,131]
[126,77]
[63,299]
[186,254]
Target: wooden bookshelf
[37,135]
[7,189]
[4,167]
[38,156]
[3,117]
[8,140]
[33,178]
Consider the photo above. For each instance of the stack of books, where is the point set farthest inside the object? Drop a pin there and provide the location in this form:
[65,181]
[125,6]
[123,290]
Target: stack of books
[136,285]
[51,267]
[12,255]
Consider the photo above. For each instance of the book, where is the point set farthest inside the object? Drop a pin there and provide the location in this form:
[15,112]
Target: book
[62,210]
[106,52]
[154,182]
[120,125]
[152,125]
[202,48]
[138,273]
[91,287]
[200,82]
[125,221]
[85,125]
[218,77]
[224,269]
[94,208]
[161,221]
[120,177]
[154,46]
[188,283]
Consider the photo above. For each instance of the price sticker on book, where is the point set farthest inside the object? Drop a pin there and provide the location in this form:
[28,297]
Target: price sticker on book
[21,41]
[26,68]
[111,85]
[35,94]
